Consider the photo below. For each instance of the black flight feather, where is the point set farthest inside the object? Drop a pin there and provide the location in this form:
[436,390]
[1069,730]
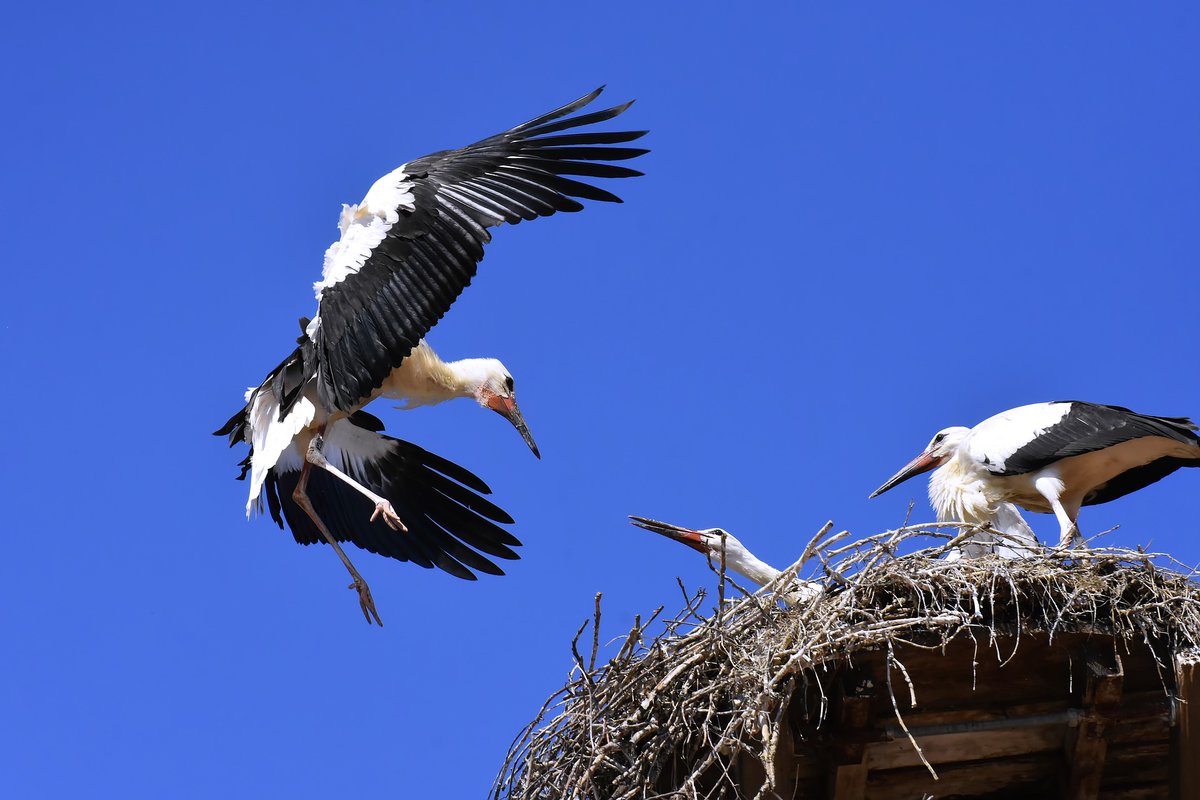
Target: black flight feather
[370,321]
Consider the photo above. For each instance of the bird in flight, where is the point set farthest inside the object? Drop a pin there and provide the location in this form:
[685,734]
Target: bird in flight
[404,255]
[1049,458]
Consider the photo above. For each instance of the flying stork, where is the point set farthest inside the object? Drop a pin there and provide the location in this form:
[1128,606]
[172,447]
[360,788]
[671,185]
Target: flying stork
[711,542]
[1050,458]
[404,255]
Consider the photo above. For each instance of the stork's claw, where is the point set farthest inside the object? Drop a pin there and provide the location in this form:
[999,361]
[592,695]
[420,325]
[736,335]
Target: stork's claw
[384,509]
[365,601]
[1072,539]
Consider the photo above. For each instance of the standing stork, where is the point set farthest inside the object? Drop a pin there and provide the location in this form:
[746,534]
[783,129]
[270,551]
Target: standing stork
[1050,458]
[712,542]
[405,254]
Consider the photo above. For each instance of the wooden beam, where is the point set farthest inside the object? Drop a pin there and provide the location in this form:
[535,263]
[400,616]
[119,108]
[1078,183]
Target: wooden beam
[850,770]
[784,768]
[951,748]
[848,777]
[1087,742]
[850,782]
[1024,776]
[1186,739]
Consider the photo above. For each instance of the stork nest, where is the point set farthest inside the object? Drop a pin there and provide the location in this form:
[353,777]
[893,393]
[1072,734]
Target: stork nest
[709,688]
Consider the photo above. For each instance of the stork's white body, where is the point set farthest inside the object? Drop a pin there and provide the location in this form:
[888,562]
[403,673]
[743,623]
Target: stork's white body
[1049,458]
[421,379]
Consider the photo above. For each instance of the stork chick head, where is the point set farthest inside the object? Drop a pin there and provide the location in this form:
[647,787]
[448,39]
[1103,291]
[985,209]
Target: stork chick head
[708,541]
[492,384]
[941,448]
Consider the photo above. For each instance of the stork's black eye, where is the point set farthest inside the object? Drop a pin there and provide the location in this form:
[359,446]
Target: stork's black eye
[937,439]
[508,381]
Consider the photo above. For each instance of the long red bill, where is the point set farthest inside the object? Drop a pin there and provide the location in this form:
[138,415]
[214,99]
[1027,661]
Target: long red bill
[680,534]
[922,463]
[507,407]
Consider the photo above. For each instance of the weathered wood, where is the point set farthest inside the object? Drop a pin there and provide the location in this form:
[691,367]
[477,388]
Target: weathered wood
[1137,764]
[975,675]
[1186,740]
[1025,777]
[1086,748]
[1141,715]
[1159,791]
[853,729]
[750,775]
[1087,742]
[849,776]
[970,746]
[1061,718]
[784,769]
[972,713]
[850,782]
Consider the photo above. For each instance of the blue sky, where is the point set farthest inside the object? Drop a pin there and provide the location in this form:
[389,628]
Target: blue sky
[857,226]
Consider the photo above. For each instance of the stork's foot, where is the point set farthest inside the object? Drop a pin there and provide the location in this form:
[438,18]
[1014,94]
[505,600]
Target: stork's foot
[1071,540]
[366,602]
[384,509]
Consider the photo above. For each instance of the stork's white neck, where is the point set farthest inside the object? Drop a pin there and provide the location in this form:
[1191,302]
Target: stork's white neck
[748,565]
[743,562]
[423,379]
[960,494]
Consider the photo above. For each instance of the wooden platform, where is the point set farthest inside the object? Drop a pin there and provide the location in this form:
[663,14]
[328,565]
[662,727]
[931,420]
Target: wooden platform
[1079,717]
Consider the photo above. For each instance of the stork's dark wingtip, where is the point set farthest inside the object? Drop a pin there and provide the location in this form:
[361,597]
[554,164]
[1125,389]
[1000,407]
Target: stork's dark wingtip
[589,97]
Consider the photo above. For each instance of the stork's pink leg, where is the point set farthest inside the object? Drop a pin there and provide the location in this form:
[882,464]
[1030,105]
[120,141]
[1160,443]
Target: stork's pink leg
[383,507]
[364,592]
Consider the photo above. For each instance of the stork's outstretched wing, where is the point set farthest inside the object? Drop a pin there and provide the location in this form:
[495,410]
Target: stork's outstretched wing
[411,247]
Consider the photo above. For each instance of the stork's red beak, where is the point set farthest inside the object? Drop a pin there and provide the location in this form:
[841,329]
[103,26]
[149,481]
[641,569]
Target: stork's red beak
[922,463]
[507,407]
[682,535]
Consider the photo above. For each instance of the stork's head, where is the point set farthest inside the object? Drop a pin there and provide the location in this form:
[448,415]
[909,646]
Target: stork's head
[708,541]
[492,386]
[942,447]
[712,542]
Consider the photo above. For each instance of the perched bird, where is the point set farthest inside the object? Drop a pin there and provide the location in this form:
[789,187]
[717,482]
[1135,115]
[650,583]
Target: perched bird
[405,254]
[1050,458]
[712,541]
